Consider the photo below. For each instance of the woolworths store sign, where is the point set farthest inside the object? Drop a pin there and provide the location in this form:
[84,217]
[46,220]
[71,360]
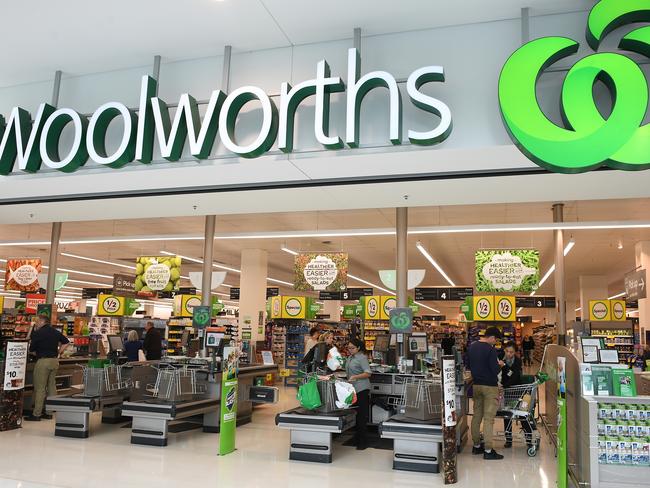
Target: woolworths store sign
[28,146]
[585,141]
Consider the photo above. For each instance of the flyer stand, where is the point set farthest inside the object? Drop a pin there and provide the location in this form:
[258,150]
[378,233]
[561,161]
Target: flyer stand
[13,366]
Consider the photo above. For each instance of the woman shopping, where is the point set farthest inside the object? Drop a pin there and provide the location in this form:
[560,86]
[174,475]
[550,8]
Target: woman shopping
[316,357]
[358,373]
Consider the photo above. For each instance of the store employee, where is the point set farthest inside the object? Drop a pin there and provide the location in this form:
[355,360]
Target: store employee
[358,373]
[47,344]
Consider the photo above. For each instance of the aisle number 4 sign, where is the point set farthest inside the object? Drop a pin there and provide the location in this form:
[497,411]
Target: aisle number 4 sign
[494,308]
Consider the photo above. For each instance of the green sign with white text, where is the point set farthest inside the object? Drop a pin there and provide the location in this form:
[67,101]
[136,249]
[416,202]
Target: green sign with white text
[588,139]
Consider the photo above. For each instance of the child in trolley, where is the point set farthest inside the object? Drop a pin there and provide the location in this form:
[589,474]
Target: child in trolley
[518,400]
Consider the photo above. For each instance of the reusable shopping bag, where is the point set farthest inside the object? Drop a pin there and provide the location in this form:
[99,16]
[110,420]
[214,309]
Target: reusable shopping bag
[308,395]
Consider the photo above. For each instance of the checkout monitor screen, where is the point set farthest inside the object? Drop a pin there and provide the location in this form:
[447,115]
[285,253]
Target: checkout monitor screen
[382,343]
[115,343]
[213,339]
[418,344]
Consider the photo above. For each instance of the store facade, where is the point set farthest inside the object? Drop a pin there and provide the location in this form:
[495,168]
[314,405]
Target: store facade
[405,120]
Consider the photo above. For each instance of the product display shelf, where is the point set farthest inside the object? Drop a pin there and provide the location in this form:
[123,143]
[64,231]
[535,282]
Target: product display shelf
[616,337]
[175,328]
[476,331]
[370,330]
[617,447]
[278,343]
[296,331]
[542,336]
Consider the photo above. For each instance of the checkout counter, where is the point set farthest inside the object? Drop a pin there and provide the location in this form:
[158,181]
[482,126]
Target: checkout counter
[417,435]
[156,394]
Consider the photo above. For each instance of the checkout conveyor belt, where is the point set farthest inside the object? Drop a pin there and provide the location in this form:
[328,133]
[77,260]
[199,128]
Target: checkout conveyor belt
[311,432]
[416,444]
[72,413]
[151,420]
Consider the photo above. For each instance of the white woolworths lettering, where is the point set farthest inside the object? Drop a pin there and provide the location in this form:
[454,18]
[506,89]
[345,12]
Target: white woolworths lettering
[19,137]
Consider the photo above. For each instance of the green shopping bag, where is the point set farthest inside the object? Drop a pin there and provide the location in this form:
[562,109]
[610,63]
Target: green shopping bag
[308,395]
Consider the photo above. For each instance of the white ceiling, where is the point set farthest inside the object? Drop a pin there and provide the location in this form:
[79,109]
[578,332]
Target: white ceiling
[88,36]
[595,252]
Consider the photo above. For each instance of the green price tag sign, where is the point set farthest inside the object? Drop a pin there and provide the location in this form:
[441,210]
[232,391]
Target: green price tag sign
[201,317]
[401,320]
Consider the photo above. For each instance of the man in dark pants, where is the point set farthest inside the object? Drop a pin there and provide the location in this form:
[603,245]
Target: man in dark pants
[485,367]
[152,345]
[529,347]
[511,373]
[47,344]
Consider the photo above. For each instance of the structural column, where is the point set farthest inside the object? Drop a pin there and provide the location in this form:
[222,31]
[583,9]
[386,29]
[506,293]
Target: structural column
[252,293]
[592,287]
[402,264]
[208,249]
[642,252]
[560,283]
[52,263]
[333,309]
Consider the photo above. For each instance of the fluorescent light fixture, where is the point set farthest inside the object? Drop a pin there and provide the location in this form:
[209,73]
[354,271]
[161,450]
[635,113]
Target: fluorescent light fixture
[578,309]
[75,256]
[219,266]
[519,310]
[622,294]
[434,263]
[83,282]
[567,250]
[290,251]
[454,229]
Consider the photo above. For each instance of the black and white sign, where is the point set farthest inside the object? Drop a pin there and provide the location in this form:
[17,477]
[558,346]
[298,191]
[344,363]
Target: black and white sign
[15,365]
[349,294]
[449,390]
[190,290]
[124,285]
[635,285]
[455,294]
[88,293]
[535,302]
[234,293]
[272,292]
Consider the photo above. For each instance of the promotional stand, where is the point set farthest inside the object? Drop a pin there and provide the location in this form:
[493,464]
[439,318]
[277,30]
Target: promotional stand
[13,368]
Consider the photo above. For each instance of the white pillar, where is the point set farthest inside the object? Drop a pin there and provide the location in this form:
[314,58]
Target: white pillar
[642,252]
[332,308]
[252,293]
[591,288]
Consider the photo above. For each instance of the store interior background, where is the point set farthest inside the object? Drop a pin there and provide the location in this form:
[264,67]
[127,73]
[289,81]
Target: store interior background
[595,266]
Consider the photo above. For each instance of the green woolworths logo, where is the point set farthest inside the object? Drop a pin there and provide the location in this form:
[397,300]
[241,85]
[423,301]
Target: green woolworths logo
[588,140]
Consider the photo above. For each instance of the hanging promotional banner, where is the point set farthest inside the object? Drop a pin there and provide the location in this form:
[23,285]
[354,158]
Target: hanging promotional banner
[15,365]
[32,301]
[321,271]
[59,280]
[157,273]
[389,278]
[22,274]
[401,320]
[515,270]
[228,415]
[124,285]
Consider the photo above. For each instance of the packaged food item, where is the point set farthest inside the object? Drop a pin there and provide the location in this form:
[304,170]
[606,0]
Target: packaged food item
[631,414]
[602,449]
[637,452]
[603,411]
[613,456]
[601,428]
[620,412]
[621,428]
[625,451]
[610,428]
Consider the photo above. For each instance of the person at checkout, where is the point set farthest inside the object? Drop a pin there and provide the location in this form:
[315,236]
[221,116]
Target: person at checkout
[152,343]
[358,373]
[133,346]
[47,344]
[316,358]
[511,375]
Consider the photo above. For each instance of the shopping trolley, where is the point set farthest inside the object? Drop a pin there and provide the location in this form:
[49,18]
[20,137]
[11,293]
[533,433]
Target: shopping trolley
[517,406]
